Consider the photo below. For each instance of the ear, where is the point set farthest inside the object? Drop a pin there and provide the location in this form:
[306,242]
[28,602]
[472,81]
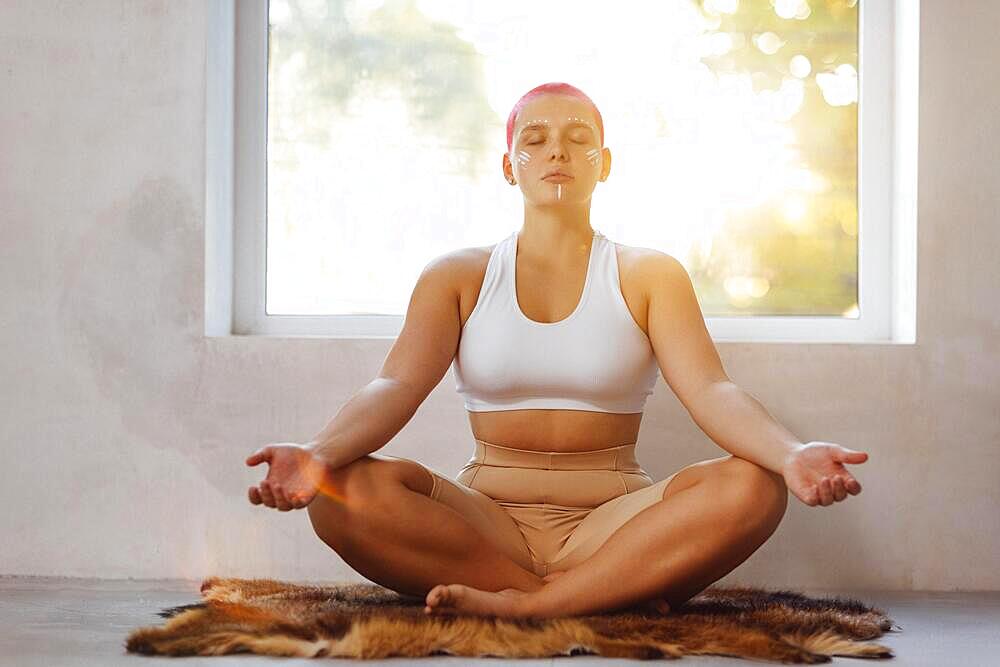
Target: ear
[606,162]
[508,170]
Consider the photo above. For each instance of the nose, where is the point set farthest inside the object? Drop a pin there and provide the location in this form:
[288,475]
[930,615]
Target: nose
[557,151]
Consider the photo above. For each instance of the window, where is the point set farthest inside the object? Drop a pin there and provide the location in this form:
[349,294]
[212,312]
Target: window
[769,146]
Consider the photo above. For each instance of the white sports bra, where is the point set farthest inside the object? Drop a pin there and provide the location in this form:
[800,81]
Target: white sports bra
[595,359]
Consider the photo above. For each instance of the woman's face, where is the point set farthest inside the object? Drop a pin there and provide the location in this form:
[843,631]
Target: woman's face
[556,132]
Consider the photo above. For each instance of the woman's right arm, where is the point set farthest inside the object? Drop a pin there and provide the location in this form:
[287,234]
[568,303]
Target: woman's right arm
[419,358]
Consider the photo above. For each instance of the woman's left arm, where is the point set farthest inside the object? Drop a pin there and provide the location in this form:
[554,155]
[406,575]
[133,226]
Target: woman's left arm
[740,424]
[731,417]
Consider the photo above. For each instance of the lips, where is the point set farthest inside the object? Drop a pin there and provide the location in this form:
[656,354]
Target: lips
[557,177]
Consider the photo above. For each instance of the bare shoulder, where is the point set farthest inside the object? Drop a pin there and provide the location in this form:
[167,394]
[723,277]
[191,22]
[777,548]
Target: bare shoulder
[463,270]
[648,268]
[474,261]
[462,265]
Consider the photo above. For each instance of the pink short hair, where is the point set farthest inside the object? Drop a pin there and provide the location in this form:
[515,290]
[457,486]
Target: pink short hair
[557,88]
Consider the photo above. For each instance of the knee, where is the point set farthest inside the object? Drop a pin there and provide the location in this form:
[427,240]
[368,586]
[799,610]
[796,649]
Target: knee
[343,489]
[359,481]
[342,500]
[361,485]
[757,487]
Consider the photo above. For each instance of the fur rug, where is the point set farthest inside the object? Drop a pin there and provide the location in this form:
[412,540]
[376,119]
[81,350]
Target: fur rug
[364,620]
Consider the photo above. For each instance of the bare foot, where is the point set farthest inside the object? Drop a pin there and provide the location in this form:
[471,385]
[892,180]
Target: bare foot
[453,599]
[460,599]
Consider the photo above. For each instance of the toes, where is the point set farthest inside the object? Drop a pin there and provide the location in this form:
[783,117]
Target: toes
[443,598]
[436,596]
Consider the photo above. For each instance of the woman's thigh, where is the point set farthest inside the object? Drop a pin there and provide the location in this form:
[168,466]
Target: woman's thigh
[482,512]
[605,519]
[600,524]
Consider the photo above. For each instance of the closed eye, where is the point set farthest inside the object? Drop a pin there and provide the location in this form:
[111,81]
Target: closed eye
[575,141]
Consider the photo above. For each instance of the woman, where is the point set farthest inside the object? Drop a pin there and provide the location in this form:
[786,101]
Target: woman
[556,335]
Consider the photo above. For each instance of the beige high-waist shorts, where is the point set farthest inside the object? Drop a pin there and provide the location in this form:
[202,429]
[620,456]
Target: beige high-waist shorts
[548,511]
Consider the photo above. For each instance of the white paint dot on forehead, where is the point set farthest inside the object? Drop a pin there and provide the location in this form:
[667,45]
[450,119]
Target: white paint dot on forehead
[545,121]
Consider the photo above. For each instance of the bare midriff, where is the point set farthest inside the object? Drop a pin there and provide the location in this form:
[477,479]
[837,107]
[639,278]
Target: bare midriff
[555,430]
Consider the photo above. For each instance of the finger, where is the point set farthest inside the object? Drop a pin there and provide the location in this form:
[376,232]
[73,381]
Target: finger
[254,494]
[265,493]
[851,456]
[280,499]
[839,492]
[262,454]
[853,486]
[825,492]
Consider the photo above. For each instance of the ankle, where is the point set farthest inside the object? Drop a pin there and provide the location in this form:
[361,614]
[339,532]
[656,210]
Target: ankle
[531,605]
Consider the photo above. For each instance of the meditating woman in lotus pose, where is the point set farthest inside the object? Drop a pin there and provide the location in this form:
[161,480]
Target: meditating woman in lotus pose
[557,335]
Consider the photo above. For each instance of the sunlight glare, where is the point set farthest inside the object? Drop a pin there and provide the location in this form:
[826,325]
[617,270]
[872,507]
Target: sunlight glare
[839,87]
[743,288]
[792,9]
[799,66]
[352,223]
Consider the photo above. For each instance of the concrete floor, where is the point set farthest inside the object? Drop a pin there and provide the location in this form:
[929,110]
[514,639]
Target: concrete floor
[56,621]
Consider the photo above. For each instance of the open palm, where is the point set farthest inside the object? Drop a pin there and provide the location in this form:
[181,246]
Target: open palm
[816,475]
[294,476]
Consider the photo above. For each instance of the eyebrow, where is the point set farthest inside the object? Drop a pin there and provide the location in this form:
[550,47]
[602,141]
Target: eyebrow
[540,126]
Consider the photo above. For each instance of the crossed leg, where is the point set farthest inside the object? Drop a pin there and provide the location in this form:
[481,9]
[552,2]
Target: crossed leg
[392,532]
[712,517]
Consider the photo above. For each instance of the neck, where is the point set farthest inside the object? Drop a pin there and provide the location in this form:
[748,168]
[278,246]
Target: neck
[556,234]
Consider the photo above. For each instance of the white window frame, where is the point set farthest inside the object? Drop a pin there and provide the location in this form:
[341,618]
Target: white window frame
[236,193]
